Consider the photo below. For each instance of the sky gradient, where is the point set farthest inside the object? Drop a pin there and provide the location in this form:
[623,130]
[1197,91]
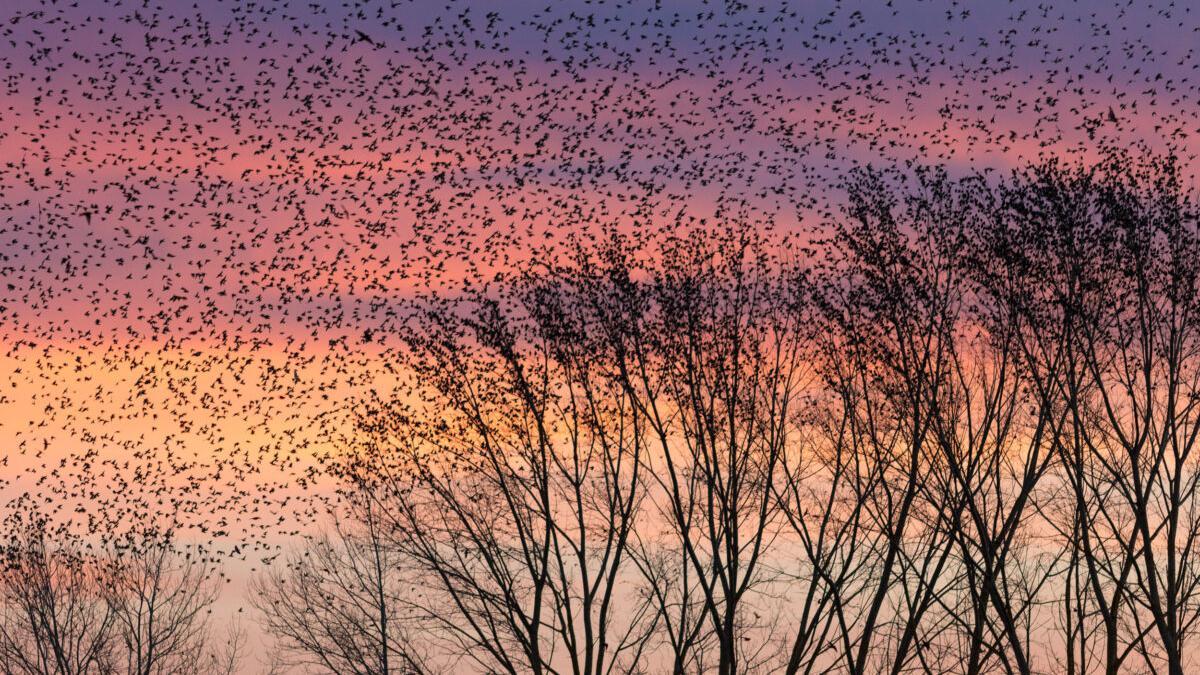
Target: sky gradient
[210,212]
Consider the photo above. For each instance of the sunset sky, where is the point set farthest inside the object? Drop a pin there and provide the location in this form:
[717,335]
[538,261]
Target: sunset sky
[210,211]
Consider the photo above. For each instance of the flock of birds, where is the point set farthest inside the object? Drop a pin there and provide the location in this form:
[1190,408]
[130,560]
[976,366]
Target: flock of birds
[211,214]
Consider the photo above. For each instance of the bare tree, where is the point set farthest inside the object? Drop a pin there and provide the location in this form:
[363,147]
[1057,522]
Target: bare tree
[140,606]
[338,604]
[514,491]
[718,367]
[160,600]
[554,408]
[959,439]
[1114,247]
[56,620]
[888,299]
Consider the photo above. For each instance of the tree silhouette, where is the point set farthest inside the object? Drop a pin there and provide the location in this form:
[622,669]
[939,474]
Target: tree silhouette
[136,606]
[952,433]
[339,603]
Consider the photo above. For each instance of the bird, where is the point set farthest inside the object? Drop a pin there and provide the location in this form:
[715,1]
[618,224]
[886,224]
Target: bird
[274,196]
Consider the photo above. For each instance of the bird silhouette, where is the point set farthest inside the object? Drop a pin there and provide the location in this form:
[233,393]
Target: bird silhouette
[270,191]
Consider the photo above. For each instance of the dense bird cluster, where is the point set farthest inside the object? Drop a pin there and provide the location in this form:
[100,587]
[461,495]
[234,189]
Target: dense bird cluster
[211,214]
